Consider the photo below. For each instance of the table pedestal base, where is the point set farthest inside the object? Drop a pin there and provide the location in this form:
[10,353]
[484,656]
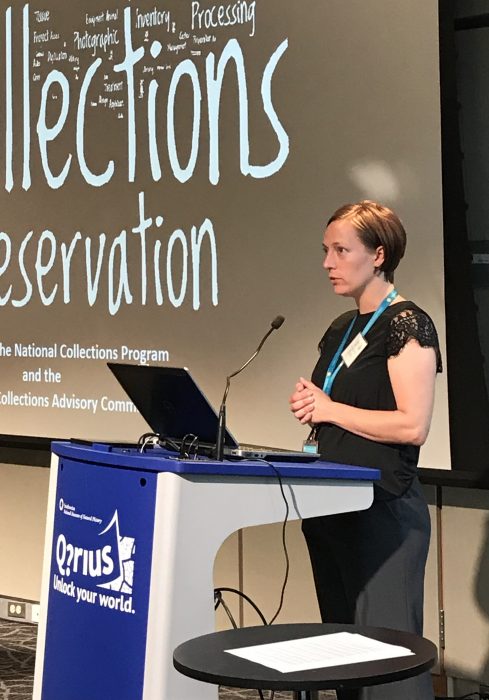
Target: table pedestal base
[306,695]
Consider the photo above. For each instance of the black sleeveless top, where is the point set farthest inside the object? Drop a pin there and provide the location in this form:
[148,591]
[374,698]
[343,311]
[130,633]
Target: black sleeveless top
[366,384]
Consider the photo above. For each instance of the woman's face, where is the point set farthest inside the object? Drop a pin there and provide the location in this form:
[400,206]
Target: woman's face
[350,265]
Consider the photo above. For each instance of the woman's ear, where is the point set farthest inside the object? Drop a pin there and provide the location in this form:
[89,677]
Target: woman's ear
[379,257]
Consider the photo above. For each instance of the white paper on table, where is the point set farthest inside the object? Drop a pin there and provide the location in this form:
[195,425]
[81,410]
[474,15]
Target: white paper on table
[319,652]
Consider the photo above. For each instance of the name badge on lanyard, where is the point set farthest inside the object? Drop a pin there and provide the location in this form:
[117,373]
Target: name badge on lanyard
[357,345]
[349,354]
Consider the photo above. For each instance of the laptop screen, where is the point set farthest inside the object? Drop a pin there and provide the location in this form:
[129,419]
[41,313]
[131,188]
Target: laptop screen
[170,401]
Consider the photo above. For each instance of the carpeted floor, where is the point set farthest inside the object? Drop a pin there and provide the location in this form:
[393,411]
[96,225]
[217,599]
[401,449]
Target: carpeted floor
[17,654]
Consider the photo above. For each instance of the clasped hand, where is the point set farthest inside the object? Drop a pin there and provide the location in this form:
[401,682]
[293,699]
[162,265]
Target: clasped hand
[309,404]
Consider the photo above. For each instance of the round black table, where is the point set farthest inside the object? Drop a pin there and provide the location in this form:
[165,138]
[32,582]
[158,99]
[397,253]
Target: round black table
[204,658]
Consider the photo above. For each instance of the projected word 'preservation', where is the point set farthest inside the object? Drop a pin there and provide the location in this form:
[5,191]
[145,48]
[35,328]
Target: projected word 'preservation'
[170,273]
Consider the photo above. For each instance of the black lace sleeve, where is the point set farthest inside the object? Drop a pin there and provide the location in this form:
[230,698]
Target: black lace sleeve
[412,324]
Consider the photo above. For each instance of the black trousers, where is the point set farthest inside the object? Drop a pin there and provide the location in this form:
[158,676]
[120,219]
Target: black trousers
[368,569]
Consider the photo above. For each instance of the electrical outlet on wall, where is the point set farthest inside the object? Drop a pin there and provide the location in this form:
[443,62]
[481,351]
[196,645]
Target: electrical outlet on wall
[16,609]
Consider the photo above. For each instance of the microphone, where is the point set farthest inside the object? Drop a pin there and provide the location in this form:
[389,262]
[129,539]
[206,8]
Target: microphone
[221,426]
[276,323]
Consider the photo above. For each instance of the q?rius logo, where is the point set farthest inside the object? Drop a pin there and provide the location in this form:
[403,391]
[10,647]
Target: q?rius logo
[108,563]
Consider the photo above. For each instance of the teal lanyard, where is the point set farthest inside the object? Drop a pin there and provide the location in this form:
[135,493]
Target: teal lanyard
[335,365]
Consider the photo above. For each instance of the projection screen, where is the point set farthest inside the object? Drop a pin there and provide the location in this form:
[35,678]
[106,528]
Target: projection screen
[168,171]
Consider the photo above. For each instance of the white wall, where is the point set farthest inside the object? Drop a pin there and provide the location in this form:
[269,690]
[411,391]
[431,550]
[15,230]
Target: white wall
[465,518]
[23,501]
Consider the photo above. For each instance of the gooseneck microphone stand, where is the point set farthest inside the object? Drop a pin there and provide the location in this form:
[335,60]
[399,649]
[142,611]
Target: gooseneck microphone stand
[221,426]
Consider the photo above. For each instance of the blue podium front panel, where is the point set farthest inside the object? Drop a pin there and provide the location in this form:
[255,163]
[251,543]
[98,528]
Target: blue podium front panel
[99,583]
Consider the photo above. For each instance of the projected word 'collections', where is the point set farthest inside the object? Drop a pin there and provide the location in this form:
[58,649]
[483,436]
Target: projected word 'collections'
[137,57]
[124,130]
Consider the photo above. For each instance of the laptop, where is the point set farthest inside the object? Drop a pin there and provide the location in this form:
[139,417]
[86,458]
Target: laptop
[174,406]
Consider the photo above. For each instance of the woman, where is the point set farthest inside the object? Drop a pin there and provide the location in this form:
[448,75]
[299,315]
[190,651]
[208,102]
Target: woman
[370,403]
